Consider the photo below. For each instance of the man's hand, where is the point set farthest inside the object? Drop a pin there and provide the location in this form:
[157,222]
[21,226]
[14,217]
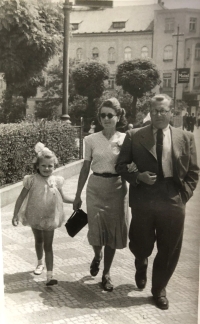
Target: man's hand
[147,177]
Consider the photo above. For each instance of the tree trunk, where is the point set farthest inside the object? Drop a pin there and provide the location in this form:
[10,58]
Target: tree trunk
[134,102]
[25,101]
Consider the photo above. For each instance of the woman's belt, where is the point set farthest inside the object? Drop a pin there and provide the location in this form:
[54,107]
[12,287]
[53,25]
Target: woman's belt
[106,175]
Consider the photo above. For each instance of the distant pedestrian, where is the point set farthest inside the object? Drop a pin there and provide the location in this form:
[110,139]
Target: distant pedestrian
[92,128]
[191,122]
[147,120]
[130,126]
[185,121]
[40,206]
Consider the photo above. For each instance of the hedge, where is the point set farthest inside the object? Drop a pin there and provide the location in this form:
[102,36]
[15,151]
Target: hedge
[17,143]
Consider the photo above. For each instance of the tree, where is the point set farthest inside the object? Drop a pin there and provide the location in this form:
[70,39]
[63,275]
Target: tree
[53,92]
[137,77]
[30,35]
[89,82]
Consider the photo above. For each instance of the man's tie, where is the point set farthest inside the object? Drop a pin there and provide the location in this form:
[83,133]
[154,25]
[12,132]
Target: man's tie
[159,149]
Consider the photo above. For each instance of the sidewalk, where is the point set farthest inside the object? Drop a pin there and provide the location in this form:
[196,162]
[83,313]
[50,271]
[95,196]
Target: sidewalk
[78,298]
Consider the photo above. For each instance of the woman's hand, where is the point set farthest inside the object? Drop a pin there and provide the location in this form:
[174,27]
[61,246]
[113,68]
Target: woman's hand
[147,177]
[77,203]
[132,167]
[15,220]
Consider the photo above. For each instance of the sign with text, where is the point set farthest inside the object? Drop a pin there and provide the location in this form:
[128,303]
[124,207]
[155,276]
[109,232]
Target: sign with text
[94,3]
[184,75]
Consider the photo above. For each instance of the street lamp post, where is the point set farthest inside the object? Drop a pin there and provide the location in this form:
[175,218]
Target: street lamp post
[66,8]
[175,79]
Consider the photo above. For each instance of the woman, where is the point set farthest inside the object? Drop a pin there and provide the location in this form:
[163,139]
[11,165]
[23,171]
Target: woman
[106,195]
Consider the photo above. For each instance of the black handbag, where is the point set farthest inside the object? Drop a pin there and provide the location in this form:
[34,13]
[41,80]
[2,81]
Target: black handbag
[76,222]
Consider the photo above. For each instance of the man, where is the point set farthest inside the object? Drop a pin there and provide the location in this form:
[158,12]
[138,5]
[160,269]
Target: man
[166,177]
[185,121]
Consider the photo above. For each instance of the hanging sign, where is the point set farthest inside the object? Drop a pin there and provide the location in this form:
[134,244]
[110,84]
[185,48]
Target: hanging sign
[94,3]
[184,75]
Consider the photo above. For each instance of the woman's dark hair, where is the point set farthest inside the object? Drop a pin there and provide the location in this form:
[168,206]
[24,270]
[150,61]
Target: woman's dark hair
[115,105]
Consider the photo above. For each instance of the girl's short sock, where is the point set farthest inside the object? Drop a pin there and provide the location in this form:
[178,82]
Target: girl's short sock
[49,275]
[50,280]
[40,262]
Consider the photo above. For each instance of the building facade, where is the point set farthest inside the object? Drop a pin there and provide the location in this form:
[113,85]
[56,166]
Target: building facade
[167,25]
[113,35]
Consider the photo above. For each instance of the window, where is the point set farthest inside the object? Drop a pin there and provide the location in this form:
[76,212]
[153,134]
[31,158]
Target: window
[111,55]
[192,25]
[75,26]
[188,53]
[196,80]
[167,80]
[111,83]
[95,53]
[168,53]
[79,54]
[127,53]
[197,51]
[119,24]
[169,24]
[144,52]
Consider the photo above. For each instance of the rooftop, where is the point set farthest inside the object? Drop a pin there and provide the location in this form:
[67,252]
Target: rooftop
[136,18]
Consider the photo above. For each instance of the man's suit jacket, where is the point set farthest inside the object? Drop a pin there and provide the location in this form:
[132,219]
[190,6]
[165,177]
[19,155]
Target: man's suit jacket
[139,147]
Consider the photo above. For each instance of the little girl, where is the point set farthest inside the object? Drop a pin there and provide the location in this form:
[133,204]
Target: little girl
[40,206]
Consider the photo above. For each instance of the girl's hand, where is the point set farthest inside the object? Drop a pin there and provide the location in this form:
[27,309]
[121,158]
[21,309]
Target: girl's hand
[15,220]
[77,203]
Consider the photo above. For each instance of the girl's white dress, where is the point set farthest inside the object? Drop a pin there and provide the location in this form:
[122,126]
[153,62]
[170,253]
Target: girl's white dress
[42,208]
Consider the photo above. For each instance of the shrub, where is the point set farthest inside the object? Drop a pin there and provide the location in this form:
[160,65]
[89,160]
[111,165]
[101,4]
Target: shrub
[17,143]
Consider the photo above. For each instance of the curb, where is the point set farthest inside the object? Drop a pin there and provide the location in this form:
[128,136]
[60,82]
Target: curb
[10,193]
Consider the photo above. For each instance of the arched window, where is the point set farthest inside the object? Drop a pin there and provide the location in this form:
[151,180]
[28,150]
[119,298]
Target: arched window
[111,54]
[197,51]
[95,53]
[168,52]
[144,52]
[79,54]
[127,53]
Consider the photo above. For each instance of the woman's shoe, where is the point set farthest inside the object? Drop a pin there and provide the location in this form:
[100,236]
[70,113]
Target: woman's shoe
[107,283]
[94,267]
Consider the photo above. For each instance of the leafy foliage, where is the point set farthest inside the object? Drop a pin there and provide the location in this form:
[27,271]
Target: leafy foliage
[89,82]
[137,77]
[17,143]
[12,109]
[30,35]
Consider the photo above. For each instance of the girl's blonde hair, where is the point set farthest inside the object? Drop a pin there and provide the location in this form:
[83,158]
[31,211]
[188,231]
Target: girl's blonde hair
[41,153]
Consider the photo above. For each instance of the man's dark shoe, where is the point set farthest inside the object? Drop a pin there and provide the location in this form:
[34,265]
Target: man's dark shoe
[141,272]
[141,279]
[161,302]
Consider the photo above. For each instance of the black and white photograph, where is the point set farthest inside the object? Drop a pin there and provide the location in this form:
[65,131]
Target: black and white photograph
[99,161]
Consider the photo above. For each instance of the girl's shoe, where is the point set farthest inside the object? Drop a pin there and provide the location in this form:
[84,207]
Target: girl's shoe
[94,267]
[107,283]
[38,270]
[52,282]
